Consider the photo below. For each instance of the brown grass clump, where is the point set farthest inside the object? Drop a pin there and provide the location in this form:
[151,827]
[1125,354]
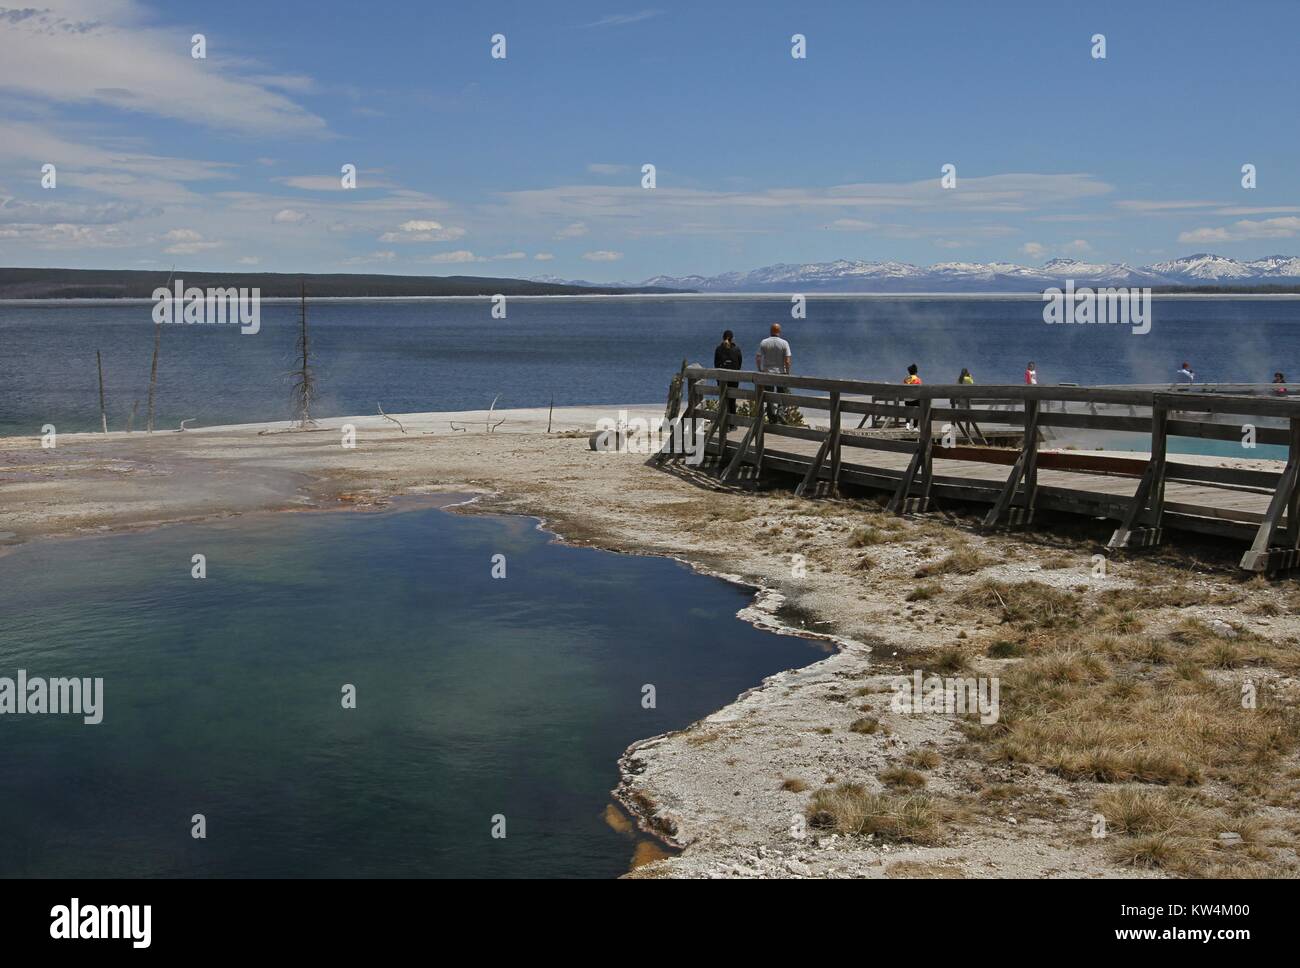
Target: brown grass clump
[963,560]
[794,785]
[1172,830]
[1070,712]
[923,593]
[1028,603]
[922,759]
[902,777]
[849,809]
[866,536]
[865,724]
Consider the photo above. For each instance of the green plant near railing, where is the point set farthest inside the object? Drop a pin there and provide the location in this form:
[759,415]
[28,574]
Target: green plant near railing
[786,416]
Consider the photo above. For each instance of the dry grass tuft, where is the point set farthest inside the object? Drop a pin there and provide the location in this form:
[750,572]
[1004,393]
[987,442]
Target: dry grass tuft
[849,809]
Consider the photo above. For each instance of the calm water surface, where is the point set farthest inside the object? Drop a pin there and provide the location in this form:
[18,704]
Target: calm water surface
[475,696]
[451,355]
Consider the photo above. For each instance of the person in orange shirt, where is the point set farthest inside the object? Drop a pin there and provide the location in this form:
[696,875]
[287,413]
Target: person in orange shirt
[913,380]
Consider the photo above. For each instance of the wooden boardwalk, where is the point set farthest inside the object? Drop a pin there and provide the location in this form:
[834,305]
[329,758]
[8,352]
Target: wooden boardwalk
[1144,493]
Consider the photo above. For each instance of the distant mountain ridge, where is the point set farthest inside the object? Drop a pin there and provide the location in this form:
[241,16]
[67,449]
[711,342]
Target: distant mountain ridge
[140,284]
[851,275]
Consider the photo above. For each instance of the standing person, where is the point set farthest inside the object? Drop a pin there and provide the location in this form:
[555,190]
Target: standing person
[1280,379]
[773,356]
[727,357]
[913,379]
[1186,374]
[965,379]
[1031,375]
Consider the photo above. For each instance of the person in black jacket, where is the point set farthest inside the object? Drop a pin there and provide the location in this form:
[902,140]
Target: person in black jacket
[727,357]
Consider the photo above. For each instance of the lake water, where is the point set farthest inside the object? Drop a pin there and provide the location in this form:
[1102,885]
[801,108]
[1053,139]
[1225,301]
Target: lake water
[475,696]
[452,355]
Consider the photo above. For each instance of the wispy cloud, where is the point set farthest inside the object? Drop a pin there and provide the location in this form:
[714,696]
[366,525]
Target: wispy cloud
[622,19]
[104,52]
[1245,230]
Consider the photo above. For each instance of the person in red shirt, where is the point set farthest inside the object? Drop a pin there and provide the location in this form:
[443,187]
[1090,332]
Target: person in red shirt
[1031,375]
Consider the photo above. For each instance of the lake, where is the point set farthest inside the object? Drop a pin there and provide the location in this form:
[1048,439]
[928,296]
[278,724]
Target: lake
[475,696]
[447,354]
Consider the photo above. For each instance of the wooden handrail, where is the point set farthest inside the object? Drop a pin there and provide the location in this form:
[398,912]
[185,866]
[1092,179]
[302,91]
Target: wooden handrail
[1173,411]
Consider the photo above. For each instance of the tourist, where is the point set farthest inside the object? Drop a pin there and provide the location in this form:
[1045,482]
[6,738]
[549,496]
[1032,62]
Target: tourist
[913,379]
[1031,375]
[727,357]
[1186,373]
[965,378]
[773,356]
[1280,380]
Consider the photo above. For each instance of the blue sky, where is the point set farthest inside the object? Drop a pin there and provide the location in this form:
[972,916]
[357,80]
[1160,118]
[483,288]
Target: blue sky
[532,164]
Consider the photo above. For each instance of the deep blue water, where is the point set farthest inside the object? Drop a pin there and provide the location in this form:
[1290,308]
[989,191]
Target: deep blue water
[451,355]
[475,696]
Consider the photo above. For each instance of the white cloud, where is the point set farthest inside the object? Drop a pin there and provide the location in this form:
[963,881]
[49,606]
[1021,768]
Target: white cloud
[543,257]
[510,256]
[187,242]
[248,260]
[572,231]
[1033,250]
[602,255]
[290,216]
[386,255]
[105,53]
[423,230]
[462,255]
[1245,230]
[1078,245]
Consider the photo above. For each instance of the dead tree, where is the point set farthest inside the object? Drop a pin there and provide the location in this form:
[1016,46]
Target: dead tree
[304,385]
[153,369]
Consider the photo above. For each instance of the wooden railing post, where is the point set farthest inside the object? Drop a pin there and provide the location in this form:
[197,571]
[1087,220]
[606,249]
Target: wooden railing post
[724,416]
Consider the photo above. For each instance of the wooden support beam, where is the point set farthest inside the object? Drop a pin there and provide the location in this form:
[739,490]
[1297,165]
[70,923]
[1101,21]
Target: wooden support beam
[902,502]
[1025,470]
[1263,554]
[1143,520]
[738,457]
[834,441]
[813,469]
[759,393]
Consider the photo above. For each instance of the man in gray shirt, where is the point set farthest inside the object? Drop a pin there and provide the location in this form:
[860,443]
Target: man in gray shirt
[773,357]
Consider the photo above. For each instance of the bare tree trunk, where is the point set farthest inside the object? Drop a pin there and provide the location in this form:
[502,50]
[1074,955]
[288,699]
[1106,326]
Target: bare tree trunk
[103,415]
[153,370]
[549,413]
[153,374]
[304,390]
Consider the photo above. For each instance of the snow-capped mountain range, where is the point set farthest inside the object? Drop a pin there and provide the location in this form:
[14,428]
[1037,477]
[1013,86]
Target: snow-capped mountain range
[851,275]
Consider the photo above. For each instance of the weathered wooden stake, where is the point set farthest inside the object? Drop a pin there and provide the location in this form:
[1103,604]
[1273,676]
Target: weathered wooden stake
[103,414]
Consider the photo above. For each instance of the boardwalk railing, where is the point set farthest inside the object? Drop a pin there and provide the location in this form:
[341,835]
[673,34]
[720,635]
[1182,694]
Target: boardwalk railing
[1214,498]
